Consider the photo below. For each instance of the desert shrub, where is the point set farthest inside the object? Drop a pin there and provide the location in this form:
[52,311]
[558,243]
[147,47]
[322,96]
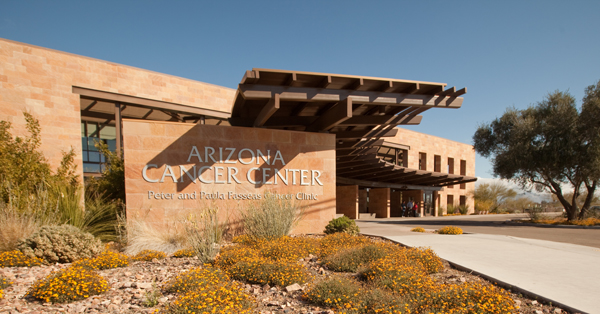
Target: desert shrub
[16,225]
[143,235]
[69,284]
[399,274]
[233,254]
[106,260]
[349,260]
[332,243]
[450,230]
[451,209]
[426,257]
[382,301]
[111,185]
[229,298]
[204,233]
[60,244]
[339,292]
[264,271]
[4,283]
[184,253]
[417,229]
[16,258]
[286,248]
[468,298]
[271,217]
[149,255]
[463,209]
[196,278]
[342,224]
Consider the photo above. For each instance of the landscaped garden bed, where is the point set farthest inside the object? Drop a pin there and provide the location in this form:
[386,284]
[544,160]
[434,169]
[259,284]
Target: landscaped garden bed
[333,274]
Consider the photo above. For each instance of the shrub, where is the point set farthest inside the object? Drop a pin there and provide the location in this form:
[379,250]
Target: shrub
[18,259]
[399,274]
[340,293]
[332,243]
[286,248]
[264,271]
[382,301]
[463,209]
[204,234]
[106,260]
[184,253]
[229,298]
[69,284]
[235,254]
[470,298]
[349,260]
[417,229]
[342,224]
[149,255]
[60,244]
[271,217]
[196,278]
[4,283]
[450,230]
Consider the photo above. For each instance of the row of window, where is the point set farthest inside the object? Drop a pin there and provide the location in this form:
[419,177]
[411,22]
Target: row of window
[437,166]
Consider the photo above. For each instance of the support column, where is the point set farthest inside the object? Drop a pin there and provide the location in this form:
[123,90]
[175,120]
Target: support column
[379,202]
[347,201]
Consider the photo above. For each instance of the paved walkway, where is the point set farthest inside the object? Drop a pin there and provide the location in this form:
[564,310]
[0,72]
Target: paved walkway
[565,274]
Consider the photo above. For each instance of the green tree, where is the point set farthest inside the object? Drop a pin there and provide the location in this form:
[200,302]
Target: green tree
[112,182]
[547,146]
[493,194]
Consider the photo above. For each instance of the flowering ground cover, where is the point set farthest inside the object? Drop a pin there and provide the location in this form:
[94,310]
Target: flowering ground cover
[342,274]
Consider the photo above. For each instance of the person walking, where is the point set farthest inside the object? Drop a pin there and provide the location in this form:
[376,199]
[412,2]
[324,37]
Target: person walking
[409,206]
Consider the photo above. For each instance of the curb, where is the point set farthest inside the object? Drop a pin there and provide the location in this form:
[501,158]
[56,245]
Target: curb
[497,282]
[513,222]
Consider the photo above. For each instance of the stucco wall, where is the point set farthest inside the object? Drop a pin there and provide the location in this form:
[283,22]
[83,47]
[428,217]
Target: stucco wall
[167,143]
[379,202]
[40,80]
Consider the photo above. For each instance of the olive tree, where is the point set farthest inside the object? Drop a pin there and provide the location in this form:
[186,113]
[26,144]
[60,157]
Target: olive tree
[548,146]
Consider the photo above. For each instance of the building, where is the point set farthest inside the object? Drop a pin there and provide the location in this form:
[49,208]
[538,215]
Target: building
[330,141]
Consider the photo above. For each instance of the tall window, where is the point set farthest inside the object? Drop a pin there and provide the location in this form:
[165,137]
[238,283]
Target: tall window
[463,200]
[422,161]
[92,132]
[450,169]
[437,163]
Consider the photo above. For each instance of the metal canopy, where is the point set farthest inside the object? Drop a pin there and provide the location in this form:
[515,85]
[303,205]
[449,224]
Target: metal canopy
[359,110]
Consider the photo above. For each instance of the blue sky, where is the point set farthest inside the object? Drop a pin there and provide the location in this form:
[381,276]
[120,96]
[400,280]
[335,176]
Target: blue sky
[507,53]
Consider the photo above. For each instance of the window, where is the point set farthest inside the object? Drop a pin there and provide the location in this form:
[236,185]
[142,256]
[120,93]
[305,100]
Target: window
[463,172]
[463,200]
[422,161]
[393,155]
[437,163]
[450,204]
[450,169]
[92,132]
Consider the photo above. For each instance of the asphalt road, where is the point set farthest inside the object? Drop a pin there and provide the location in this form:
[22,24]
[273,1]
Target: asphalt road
[487,224]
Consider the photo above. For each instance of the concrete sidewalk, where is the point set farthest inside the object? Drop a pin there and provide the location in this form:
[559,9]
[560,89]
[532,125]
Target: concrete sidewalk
[565,274]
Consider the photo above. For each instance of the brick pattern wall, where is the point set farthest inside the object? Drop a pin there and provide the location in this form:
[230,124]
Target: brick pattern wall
[169,143]
[40,80]
[379,202]
[433,145]
[347,201]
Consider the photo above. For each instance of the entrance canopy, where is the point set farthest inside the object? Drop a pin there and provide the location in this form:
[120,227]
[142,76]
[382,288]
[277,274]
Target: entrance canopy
[361,111]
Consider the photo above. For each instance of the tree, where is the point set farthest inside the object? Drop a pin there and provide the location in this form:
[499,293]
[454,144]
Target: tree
[547,146]
[492,195]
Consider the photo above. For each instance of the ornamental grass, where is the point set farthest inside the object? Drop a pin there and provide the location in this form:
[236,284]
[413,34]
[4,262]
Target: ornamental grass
[417,229]
[67,285]
[18,259]
[184,253]
[149,255]
[106,260]
[450,230]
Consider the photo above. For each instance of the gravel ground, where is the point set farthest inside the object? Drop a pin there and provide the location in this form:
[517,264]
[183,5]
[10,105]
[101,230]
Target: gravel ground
[130,288]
